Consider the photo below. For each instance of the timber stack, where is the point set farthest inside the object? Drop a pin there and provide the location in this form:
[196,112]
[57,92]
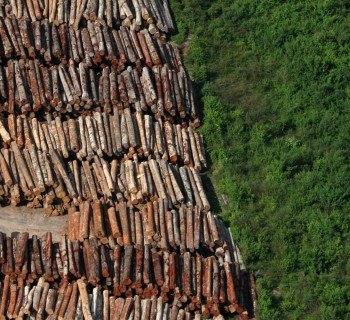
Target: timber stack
[98,120]
[201,283]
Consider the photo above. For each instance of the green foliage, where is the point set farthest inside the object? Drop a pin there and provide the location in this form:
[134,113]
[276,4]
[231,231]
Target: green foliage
[274,80]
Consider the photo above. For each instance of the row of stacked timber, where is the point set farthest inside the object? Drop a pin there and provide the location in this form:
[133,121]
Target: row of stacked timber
[153,14]
[94,44]
[186,229]
[204,284]
[25,86]
[60,164]
[72,301]
[121,133]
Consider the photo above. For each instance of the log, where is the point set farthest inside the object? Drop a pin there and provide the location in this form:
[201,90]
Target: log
[124,133]
[207,278]
[116,125]
[36,257]
[98,220]
[158,272]
[20,297]
[122,209]
[21,249]
[7,46]
[198,200]
[5,171]
[29,301]
[198,280]
[157,178]
[162,223]
[21,164]
[84,299]
[11,88]
[37,293]
[101,132]
[194,151]
[50,301]
[61,169]
[213,228]
[106,125]
[127,268]
[4,133]
[114,225]
[90,127]
[169,134]
[47,255]
[187,186]
[153,52]
[37,168]
[197,234]
[98,172]
[64,305]
[166,177]
[78,18]
[90,180]
[125,38]
[71,312]
[116,267]
[23,302]
[94,266]
[105,305]
[176,227]
[172,271]
[130,127]
[126,309]
[231,295]
[2,249]
[216,280]
[4,297]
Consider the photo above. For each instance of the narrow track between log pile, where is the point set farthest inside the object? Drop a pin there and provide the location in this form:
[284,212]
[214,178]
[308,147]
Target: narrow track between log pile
[22,219]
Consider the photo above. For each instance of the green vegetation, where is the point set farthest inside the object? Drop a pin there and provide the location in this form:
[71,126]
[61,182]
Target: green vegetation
[274,79]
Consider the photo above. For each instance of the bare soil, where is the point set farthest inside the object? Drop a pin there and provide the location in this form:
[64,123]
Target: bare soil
[21,219]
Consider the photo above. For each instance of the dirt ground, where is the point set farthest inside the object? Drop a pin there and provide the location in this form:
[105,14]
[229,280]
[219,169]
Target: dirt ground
[21,219]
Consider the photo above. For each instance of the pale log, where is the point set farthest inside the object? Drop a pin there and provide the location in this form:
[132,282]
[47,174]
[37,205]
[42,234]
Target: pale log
[84,299]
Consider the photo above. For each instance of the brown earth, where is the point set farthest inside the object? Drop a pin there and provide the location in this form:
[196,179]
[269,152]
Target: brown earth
[21,219]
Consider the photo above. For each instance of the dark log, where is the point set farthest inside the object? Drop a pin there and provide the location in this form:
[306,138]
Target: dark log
[4,297]
[97,213]
[157,268]
[127,268]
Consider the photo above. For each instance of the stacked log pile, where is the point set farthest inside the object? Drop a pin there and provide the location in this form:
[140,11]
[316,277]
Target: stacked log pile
[155,14]
[72,301]
[98,305]
[95,44]
[192,282]
[185,229]
[122,133]
[26,86]
[42,162]
[98,121]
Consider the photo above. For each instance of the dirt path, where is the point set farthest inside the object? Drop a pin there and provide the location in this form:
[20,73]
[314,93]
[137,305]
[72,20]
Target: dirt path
[21,219]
